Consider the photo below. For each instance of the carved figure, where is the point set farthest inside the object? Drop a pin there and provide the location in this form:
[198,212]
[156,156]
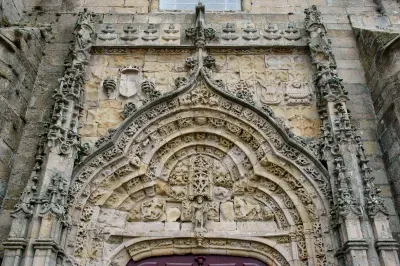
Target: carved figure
[221,179]
[178,193]
[245,209]
[221,193]
[200,210]
[152,210]
[213,211]
[192,63]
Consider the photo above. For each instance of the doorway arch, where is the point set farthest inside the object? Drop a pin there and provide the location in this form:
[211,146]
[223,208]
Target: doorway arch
[198,260]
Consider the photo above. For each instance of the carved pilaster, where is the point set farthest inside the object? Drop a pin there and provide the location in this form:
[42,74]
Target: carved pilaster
[358,210]
[41,218]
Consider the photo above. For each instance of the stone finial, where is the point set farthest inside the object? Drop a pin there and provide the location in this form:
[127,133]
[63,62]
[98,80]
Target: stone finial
[199,34]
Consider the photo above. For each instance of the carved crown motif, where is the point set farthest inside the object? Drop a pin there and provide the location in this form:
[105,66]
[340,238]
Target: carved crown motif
[130,68]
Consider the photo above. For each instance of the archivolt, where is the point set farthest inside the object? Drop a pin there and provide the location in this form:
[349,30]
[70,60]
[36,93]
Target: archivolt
[256,147]
[263,249]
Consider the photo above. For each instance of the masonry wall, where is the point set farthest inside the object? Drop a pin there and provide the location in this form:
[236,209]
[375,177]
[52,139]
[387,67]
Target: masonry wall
[17,160]
[11,11]
[382,73]
[20,55]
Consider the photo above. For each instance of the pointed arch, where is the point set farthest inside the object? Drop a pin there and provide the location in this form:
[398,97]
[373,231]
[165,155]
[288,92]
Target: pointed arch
[271,181]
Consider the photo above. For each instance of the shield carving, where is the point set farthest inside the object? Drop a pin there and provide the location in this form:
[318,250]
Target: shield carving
[130,80]
[271,92]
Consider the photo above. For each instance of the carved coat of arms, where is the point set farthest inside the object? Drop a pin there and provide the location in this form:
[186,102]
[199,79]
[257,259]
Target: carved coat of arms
[130,81]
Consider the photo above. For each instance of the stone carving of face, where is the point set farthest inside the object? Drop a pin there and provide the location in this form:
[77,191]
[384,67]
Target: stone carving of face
[200,199]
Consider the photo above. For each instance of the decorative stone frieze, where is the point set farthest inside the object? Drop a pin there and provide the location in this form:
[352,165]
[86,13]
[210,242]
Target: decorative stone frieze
[228,34]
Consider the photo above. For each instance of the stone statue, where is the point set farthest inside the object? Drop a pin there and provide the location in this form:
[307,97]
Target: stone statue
[200,209]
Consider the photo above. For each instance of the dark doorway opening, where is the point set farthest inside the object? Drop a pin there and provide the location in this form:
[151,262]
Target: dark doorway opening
[198,260]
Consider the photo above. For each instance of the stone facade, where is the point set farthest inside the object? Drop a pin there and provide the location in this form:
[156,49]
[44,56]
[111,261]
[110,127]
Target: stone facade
[132,132]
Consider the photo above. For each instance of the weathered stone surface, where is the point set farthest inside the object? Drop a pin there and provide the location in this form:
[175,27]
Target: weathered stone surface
[173,214]
[256,227]
[227,213]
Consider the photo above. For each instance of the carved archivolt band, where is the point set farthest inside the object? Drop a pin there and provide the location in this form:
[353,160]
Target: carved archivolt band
[263,249]
[227,127]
